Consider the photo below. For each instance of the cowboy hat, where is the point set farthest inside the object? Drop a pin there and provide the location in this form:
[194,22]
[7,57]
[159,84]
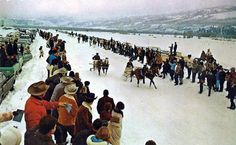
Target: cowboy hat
[90,96]
[66,80]
[38,88]
[71,89]
[62,71]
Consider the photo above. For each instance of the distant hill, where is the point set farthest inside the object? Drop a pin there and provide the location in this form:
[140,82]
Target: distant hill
[209,22]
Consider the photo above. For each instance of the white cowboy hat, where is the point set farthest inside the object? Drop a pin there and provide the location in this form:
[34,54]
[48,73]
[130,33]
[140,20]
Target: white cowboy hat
[66,80]
[71,89]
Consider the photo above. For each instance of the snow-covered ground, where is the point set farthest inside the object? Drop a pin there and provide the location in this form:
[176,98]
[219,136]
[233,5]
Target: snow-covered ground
[170,115]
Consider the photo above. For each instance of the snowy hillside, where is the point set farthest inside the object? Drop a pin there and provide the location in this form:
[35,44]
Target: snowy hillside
[224,16]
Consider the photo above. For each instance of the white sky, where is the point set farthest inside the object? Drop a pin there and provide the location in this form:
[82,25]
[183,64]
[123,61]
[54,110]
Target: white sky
[101,8]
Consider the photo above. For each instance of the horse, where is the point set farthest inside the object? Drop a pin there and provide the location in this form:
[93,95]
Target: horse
[100,64]
[155,70]
[105,65]
[138,74]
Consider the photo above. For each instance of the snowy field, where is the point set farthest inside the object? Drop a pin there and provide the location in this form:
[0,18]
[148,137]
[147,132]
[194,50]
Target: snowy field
[170,115]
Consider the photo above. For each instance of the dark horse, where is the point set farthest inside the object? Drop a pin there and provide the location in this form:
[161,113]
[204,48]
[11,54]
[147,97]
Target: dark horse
[138,74]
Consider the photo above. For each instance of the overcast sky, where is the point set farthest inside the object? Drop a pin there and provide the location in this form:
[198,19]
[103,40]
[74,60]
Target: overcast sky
[101,8]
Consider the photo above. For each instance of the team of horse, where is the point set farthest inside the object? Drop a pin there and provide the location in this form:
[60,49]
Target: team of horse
[102,64]
[139,75]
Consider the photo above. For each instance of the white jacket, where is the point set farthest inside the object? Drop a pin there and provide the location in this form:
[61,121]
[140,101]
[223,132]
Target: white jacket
[11,136]
[92,140]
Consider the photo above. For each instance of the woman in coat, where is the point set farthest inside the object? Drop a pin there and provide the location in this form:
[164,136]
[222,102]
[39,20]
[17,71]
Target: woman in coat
[115,124]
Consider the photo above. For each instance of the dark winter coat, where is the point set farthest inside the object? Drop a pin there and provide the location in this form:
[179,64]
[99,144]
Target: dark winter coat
[222,76]
[52,82]
[3,57]
[81,137]
[102,101]
[84,117]
[166,67]
[202,77]
[34,137]
[10,50]
[195,67]
[210,79]
[182,63]
[96,57]
[15,48]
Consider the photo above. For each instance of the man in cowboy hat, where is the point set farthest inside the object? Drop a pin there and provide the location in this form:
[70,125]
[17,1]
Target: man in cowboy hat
[67,114]
[84,115]
[35,107]
[59,91]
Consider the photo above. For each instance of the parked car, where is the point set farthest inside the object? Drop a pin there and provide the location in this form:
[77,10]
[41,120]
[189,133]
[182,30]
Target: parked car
[6,85]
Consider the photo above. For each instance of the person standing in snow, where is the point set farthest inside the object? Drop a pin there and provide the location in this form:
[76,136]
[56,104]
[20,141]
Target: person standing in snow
[42,133]
[103,100]
[115,124]
[171,49]
[189,65]
[231,88]
[102,137]
[67,115]
[222,76]
[175,48]
[81,137]
[84,115]
[172,64]
[201,77]
[12,135]
[41,51]
[210,81]
[194,70]
[59,91]
[36,107]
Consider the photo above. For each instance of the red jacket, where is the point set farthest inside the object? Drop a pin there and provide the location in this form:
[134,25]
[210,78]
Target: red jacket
[35,109]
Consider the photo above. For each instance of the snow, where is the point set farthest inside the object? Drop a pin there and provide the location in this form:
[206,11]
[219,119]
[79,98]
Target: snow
[224,15]
[170,115]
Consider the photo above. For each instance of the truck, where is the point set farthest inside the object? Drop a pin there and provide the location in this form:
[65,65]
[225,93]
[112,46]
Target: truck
[15,69]
[6,85]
